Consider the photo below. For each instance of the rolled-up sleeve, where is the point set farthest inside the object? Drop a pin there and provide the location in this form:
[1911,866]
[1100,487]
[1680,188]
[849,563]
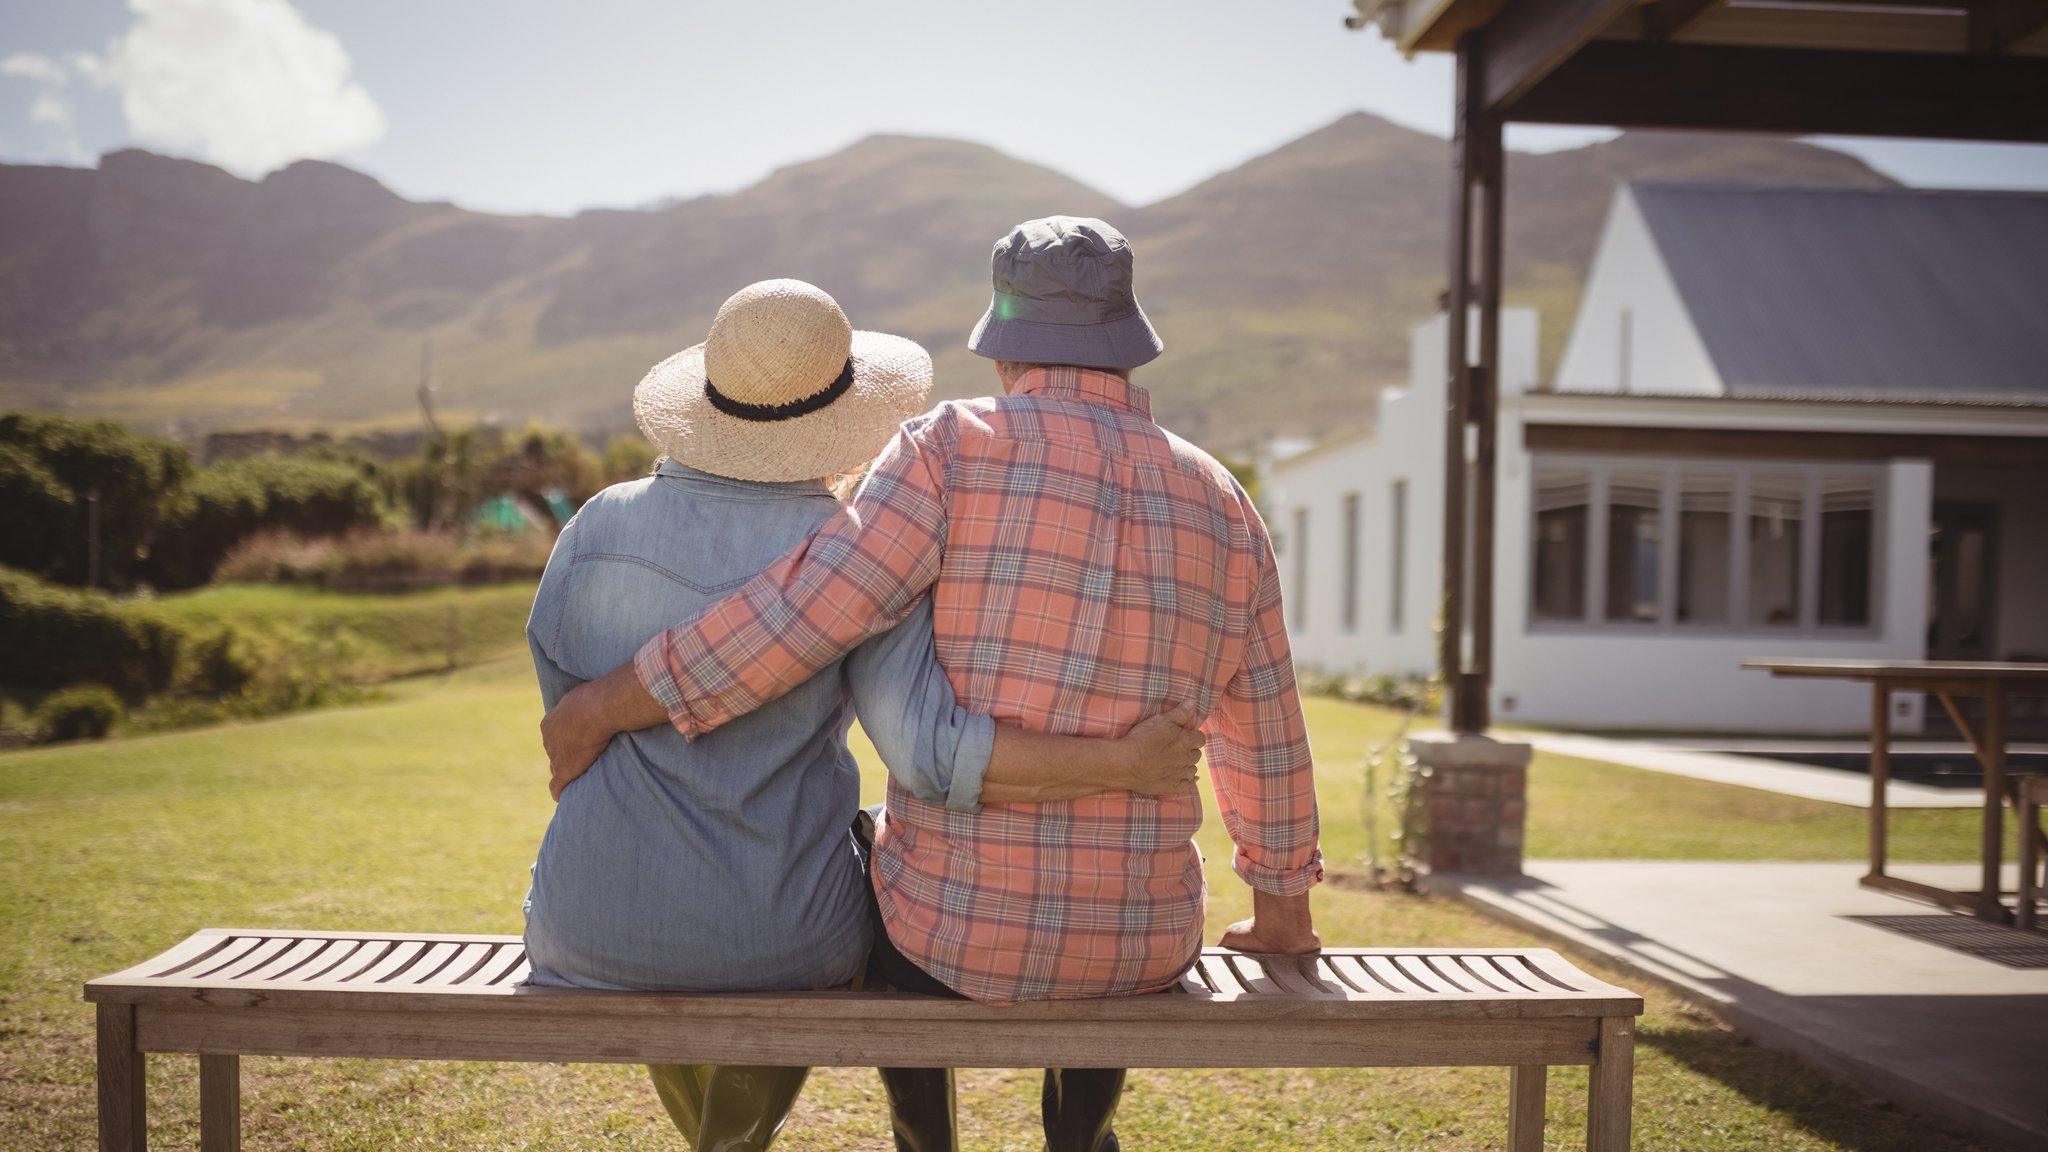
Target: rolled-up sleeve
[542,622]
[853,578]
[932,746]
[1258,751]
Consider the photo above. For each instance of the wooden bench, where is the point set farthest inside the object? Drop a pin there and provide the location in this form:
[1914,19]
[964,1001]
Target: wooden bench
[229,993]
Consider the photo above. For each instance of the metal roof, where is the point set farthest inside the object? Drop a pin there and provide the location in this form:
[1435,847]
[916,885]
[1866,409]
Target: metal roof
[1868,293]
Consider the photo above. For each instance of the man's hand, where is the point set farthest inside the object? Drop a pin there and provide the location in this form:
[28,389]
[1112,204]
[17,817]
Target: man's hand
[576,730]
[1279,926]
[1159,755]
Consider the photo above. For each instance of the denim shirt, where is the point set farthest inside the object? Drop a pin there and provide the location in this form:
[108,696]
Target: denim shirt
[724,863]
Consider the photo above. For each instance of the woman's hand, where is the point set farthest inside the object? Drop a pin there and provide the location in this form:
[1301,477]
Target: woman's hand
[1158,756]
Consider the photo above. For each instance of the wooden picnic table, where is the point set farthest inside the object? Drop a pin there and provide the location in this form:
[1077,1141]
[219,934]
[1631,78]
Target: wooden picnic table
[1947,681]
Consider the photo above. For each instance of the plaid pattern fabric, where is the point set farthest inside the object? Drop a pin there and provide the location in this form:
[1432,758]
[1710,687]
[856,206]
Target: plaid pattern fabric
[1088,570]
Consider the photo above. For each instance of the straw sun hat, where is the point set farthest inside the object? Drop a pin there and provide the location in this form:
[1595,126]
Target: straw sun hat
[783,389]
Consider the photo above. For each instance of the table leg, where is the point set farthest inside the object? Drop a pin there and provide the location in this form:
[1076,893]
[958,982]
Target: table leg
[2030,857]
[1993,755]
[1880,771]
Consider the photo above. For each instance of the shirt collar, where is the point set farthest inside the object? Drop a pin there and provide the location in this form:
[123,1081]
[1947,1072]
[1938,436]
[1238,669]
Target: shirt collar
[1087,384]
[669,467]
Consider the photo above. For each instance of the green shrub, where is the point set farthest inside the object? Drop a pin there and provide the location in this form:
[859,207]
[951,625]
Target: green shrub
[1409,693]
[78,475]
[81,712]
[55,636]
[385,561]
[220,661]
[235,499]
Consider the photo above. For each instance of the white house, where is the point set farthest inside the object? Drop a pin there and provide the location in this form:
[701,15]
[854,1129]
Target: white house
[1787,422]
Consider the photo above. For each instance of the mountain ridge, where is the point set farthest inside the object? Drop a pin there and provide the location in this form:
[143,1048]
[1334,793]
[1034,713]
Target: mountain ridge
[176,296]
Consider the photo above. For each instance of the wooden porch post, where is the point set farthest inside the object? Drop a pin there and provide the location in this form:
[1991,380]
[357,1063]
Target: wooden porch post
[1471,398]
[1457,385]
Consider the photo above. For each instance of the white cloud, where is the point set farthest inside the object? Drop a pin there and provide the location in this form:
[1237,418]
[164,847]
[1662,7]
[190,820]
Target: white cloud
[248,84]
[51,106]
[36,67]
[54,110]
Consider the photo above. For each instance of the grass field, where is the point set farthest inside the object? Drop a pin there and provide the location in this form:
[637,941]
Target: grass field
[381,635]
[421,812]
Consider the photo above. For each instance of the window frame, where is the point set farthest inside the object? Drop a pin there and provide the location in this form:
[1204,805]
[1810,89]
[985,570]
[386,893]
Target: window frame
[1397,523]
[1351,518]
[1298,545]
[1736,625]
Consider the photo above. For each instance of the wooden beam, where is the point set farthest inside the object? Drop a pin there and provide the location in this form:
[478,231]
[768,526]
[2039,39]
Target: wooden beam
[1531,38]
[1465,145]
[1672,19]
[1802,90]
[1765,444]
[2001,25]
[1840,30]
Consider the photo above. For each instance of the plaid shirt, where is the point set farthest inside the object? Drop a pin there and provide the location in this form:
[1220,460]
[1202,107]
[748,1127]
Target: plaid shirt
[1088,570]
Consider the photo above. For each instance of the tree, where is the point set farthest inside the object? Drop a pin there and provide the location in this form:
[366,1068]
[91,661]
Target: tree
[69,487]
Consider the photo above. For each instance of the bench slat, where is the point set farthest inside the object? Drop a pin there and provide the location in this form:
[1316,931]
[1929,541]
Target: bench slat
[878,1039]
[220,969]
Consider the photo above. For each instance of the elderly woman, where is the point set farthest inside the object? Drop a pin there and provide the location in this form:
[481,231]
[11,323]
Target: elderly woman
[727,863]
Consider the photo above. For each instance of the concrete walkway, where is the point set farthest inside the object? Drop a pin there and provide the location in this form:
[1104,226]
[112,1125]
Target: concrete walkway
[1933,1011]
[1781,776]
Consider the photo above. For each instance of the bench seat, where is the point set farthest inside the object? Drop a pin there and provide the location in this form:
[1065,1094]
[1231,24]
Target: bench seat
[227,993]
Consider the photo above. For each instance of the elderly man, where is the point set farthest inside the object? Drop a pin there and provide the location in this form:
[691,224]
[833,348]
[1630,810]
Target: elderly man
[1087,569]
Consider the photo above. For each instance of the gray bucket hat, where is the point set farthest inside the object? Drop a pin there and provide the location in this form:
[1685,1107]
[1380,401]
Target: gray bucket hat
[1063,296]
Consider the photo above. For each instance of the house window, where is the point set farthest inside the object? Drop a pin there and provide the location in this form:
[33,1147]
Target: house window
[1635,544]
[1703,545]
[1298,545]
[1847,534]
[1706,538]
[1776,510]
[1558,586]
[1349,610]
[1397,593]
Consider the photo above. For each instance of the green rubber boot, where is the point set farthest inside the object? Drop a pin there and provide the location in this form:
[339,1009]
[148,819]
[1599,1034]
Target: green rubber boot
[727,1108]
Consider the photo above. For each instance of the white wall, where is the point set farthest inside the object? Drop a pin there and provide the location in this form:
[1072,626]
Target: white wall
[1633,333]
[1407,446]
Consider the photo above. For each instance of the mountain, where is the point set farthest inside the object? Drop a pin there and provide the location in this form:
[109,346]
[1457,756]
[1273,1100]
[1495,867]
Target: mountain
[172,295]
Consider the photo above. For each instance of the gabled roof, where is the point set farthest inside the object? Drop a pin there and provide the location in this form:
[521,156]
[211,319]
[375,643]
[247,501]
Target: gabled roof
[1879,293]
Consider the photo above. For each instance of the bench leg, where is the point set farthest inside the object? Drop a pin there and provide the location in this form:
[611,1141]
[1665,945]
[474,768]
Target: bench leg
[1525,1107]
[220,1104]
[1612,1084]
[124,1099]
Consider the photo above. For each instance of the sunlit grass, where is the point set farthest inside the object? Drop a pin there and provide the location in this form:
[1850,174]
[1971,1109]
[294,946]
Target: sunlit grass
[421,812]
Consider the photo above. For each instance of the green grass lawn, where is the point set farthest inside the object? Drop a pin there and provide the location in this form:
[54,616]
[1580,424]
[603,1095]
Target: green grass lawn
[385,635]
[421,812]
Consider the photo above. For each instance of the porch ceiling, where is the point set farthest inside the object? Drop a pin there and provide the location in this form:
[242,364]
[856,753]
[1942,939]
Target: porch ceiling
[1958,69]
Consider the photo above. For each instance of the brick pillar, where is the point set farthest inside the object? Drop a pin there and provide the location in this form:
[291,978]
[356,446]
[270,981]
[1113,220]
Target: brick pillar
[1473,806]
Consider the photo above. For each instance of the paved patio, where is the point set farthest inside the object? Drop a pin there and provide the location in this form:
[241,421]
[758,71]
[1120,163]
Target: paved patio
[1753,770]
[1932,1011]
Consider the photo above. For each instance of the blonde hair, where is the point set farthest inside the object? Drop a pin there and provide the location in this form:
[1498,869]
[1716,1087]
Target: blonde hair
[845,484]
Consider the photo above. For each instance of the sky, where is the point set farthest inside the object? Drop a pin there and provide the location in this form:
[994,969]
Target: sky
[532,106]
